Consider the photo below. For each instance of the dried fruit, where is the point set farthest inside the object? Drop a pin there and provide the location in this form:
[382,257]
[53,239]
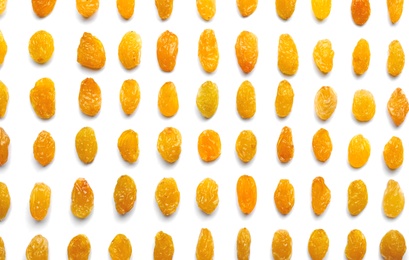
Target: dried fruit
[357,197]
[87,8]
[246,7]
[167,51]
[129,96]
[284,197]
[359,150]
[243,244]
[2,247]
[205,245]
[42,98]
[284,99]
[356,245]
[393,199]
[282,245]
[120,248]
[129,50]
[165,8]
[363,106]
[164,248]
[287,55]
[37,249]
[167,196]
[393,153]
[321,8]
[398,106]
[246,193]
[360,11]
[89,97]
[91,52]
[285,145]
[3,5]
[396,58]
[209,145]
[3,47]
[125,8]
[320,196]
[79,248]
[41,46]
[207,196]
[86,145]
[128,145]
[393,245]
[207,99]
[4,97]
[325,102]
[322,145]
[4,202]
[40,199]
[206,8]
[246,100]
[169,144]
[318,244]
[285,8]
[82,199]
[247,51]
[324,55]
[208,51]
[42,8]
[44,148]
[168,102]
[124,194]
[4,146]
[395,8]
[361,57]
[246,145]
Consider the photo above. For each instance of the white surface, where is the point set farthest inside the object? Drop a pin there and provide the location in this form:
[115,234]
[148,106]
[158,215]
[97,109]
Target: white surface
[19,73]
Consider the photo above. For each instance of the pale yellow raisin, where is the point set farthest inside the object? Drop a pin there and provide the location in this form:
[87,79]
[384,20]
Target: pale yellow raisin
[207,99]
[284,99]
[129,50]
[287,55]
[246,100]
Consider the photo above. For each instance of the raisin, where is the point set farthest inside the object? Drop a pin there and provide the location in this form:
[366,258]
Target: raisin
[360,11]
[282,245]
[246,193]
[325,102]
[3,47]
[393,199]
[207,99]
[205,245]
[79,248]
[82,199]
[40,201]
[207,196]
[243,244]
[128,146]
[208,51]
[129,96]
[318,244]
[247,51]
[86,145]
[41,46]
[357,197]
[393,153]
[324,55]
[361,57]
[320,196]
[287,55]
[396,58]
[285,8]
[393,245]
[2,247]
[129,50]
[87,8]
[398,106]
[167,196]
[395,8]
[37,249]
[42,98]
[359,150]
[246,100]
[120,248]
[91,52]
[167,50]
[44,148]
[165,8]
[42,8]
[4,98]
[206,8]
[125,8]
[285,145]
[4,201]
[356,245]
[284,197]
[246,145]
[164,248]
[4,146]
[284,99]
[209,145]
[89,97]
[168,102]
[246,7]
[124,194]
[3,5]
[169,144]
[363,106]
[322,145]
[321,8]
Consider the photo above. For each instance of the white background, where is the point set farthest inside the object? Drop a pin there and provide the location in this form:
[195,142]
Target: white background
[20,73]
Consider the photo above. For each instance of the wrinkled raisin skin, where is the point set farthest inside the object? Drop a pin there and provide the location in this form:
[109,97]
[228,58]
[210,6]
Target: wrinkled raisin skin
[89,97]
[42,8]
[282,245]
[41,46]
[209,145]
[44,148]
[82,199]
[357,197]
[246,193]
[284,99]
[246,146]
[129,96]
[398,106]
[320,196]
[360,11]
[125,8]
[243,244]
[120,248]
[42,98]
[168,101]
[91,52]
[4,146]
[356,245]
[393,199]
[79,248]
[361,57]
[285,145]
[207,99]
[167,49]
[323,56]
[318,244]
[167,196]
[247,51]
[393,245]
[128,146]
[169,144]
[40,199]
[165,8]
[322,145]
[246,100]
[125,194]
[207,197]
[129,50]
[208,51]
[284,196]
[246,7]
[287,60]
[37,249]
[4,201]
[205,245]
[86,145]
[164,248]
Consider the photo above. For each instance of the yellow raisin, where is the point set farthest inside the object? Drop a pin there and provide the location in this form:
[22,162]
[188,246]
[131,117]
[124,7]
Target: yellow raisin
[125,8]
[246,7]
[3,47]
[169,144]
[360,11]
[164,248]
[395,8]
[205,245]
[4,98]
[393,153]
[246,100]
[363,106]
[4,146]
[361,57]
[243,244]
[129,96]
[246,145]
[206,8]
[128,146]
[86,145]
[40,199]
[282,245]
[320,196]
[37,249]
[43,8]
[284,196]
[207,196]
[165,8]
[393,245]
[398,106]
[324,55]
[3,5]
[79,248]
[325,102]
[284,99]
[322,145]
[285,8]
[2,247]
[120,248]
[167,196]
[393,199]
[87,8]
[359,150]
[41,46]
[287,55]
[321,8]
[4,201]
[209,145]
[247,51]
[82,199]
[318,244]
[396,58]
[167,49]
[125,194]
[357,197]
[356,245]
[42,98]
[44,148]
[89,97]
[285,146]
[207,99]
[91,52]
[168,102]
[129,50]
[246,193]
[208,51]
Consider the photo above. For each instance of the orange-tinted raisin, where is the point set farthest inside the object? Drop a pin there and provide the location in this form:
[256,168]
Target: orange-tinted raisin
[246,7]
[357,197]
[246,193]
[91,52]
[208,51]
[363,106]
[120,248]
[284,196]
[395,8]
[285,145]
[167,49]
[87,8]
[40,199]
[322,145]
[168,102]
[209,145]
[361,57]
[246,100]
[82,199]
[79,248]
[207,99]
[207,195]
[124,194]
[129,50]
[128,145]
[164,248]
[396,58]
[2,247]
[393,199]
[44,148]
[287,55]
[393,245]
[325,102]
[165,8]
[129,96]
[167,196]
[3,5]
[3,47]
[206,8]
[284,99]
[320,196]
[42,98]
[86,145]
[247,51]
[41,46]
[393,153]
[37,249]
[205,245]
[243,244]
[285,8]
[42,8]
[4,146]
[4,201]
[282,245]
[125,8]
[356,245]
[398,106]
[360,11]
[246,145]
[324,55]
[318,244]
[321,8]
[169,144]
[4,98]
[359,150]
[89,97]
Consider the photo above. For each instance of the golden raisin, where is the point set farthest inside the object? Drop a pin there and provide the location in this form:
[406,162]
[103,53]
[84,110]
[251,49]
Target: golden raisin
[284,99]
[124,194]
[318,244]
[167,51]
[87,8]
[246,145]
[207,99]
[167,196]
[246,7]
[125,8]
[41,46]
[285,145]
[2,247]
[44,148]
[120,248]
[247,51]
[4,98]
[287,55]
[169,144]
[207,196]
[168,102]
[129,96]
[3,47]
[164,248]
[321,8]
[42,98]
[209,145]
[395,8]
[396,58]
[91,52]
[42,8]
[206,8]
[393,245]
[246,193]
[37,249]
[357,197]
[3,5]
[79,248]
[4,146]
[205,245]
[322,145]
[208,51]
[246,100]
[356,245]
[284,197]
[320,196]
[393,199]
[282,245]
[359,150]
[86,145]
[324,55]
[129,50]
[89,97]
[360,11]
[243,244]
[285,8]
[393,153]
[165,8]
[325,102]
[363,106]
[40,201]
[128,145]
[82,199]
[4,201]
[398,106]
[361,57]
